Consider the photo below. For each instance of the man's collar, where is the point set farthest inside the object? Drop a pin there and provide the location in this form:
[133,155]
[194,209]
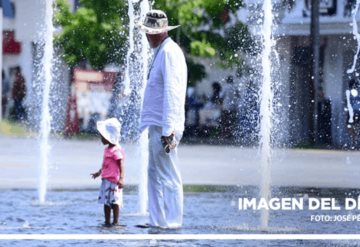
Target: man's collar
[164,41]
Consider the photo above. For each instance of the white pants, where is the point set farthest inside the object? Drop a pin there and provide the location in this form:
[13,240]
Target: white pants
[164,183]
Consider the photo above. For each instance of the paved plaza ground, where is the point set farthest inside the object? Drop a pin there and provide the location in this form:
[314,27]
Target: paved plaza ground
[72,161]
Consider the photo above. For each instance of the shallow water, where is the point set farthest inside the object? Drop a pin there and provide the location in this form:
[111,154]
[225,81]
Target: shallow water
[213,212]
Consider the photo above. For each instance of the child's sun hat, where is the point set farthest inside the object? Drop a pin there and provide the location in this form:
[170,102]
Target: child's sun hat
[110,130]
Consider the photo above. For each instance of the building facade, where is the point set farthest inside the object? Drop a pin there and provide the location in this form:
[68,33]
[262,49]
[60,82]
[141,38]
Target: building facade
[338,46]
[23,26]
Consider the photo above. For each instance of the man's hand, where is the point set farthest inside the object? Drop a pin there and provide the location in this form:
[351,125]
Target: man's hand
[168,142]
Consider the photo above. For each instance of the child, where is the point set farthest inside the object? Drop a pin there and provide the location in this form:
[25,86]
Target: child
[112,170]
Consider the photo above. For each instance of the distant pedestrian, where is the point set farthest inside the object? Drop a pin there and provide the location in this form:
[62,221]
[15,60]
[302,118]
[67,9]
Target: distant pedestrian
[216,98]
[231,97]
[211,112]
[18,95]
[5,93]
[112,170]
[192,107]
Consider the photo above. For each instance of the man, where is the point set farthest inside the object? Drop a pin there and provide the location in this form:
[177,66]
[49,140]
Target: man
[163,114]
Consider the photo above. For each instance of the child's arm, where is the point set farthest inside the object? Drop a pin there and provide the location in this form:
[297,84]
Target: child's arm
[96,174]
[122,174]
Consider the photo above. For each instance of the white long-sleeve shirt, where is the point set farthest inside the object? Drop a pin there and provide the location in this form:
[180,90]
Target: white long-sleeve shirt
[164,99]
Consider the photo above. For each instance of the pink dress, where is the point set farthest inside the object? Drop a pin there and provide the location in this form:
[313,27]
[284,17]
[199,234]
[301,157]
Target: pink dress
[109,192]
[110,167]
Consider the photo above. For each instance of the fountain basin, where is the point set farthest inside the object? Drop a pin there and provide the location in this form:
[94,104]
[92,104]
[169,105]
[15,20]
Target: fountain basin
[207,210]
[71,207]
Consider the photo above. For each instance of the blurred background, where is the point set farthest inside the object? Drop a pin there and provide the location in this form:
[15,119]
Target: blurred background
[315,65]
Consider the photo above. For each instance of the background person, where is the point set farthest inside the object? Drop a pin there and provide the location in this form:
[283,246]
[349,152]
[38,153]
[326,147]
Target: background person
[18,95]
[211,112]
[229,114]
[5,93]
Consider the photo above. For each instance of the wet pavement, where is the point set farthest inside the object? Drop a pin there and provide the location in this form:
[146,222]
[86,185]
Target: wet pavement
[70,185]
[72,161]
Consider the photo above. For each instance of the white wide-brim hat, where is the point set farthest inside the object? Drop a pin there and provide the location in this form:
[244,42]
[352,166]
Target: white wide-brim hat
[110,130]
[156,22]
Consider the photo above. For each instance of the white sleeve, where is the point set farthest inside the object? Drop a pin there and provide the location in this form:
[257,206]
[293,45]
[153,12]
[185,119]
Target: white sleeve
[172,93]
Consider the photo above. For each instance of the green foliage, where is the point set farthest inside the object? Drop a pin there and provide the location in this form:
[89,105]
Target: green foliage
[97,31]
[205,29]
[10,128]
[196,71]
[94,33]
[203,49]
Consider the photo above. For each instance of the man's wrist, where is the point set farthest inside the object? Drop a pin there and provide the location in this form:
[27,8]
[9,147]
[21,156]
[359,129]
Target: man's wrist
[167,131]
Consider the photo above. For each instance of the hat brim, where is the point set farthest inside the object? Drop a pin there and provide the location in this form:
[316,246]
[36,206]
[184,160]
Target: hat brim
[101,127]
[150,30]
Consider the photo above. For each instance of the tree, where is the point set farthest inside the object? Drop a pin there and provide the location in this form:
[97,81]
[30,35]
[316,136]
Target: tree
[98,31]
[208,29]
[95,33]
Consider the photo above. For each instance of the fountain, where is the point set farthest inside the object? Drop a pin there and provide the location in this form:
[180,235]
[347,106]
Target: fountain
[263,23]
[266,110]
[356,36]
[45,124]
[131,46]
[137,60]
[144,8]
